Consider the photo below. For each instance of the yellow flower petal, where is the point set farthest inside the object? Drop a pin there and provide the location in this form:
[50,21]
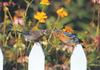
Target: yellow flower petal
[40,16]
[62,13]
[68,29]
[45,2]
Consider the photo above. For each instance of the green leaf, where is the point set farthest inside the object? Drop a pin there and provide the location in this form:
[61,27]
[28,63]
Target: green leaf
[56,41]
[59,25]
[81,2]
[82,13]
[66,20]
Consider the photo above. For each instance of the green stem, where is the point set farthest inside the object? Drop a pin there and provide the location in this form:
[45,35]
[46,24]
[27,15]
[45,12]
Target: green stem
[10,16]
[37,24]
[7,38]
[53,28]
[43,8]
[4,27]
[29,45]
[28,5]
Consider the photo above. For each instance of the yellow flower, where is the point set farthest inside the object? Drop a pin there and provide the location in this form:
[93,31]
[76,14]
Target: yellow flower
[68,29]
[45,2]
[62,13]
[40,16]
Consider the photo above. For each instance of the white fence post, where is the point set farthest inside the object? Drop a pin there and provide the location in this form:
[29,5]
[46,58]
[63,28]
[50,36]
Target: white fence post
[78,59]
[1,60]
[36,58]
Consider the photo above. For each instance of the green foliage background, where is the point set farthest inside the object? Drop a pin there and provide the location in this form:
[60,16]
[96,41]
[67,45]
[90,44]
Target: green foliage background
[83,17]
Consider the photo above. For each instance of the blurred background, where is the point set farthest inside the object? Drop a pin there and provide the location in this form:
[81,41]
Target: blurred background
[83,17]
